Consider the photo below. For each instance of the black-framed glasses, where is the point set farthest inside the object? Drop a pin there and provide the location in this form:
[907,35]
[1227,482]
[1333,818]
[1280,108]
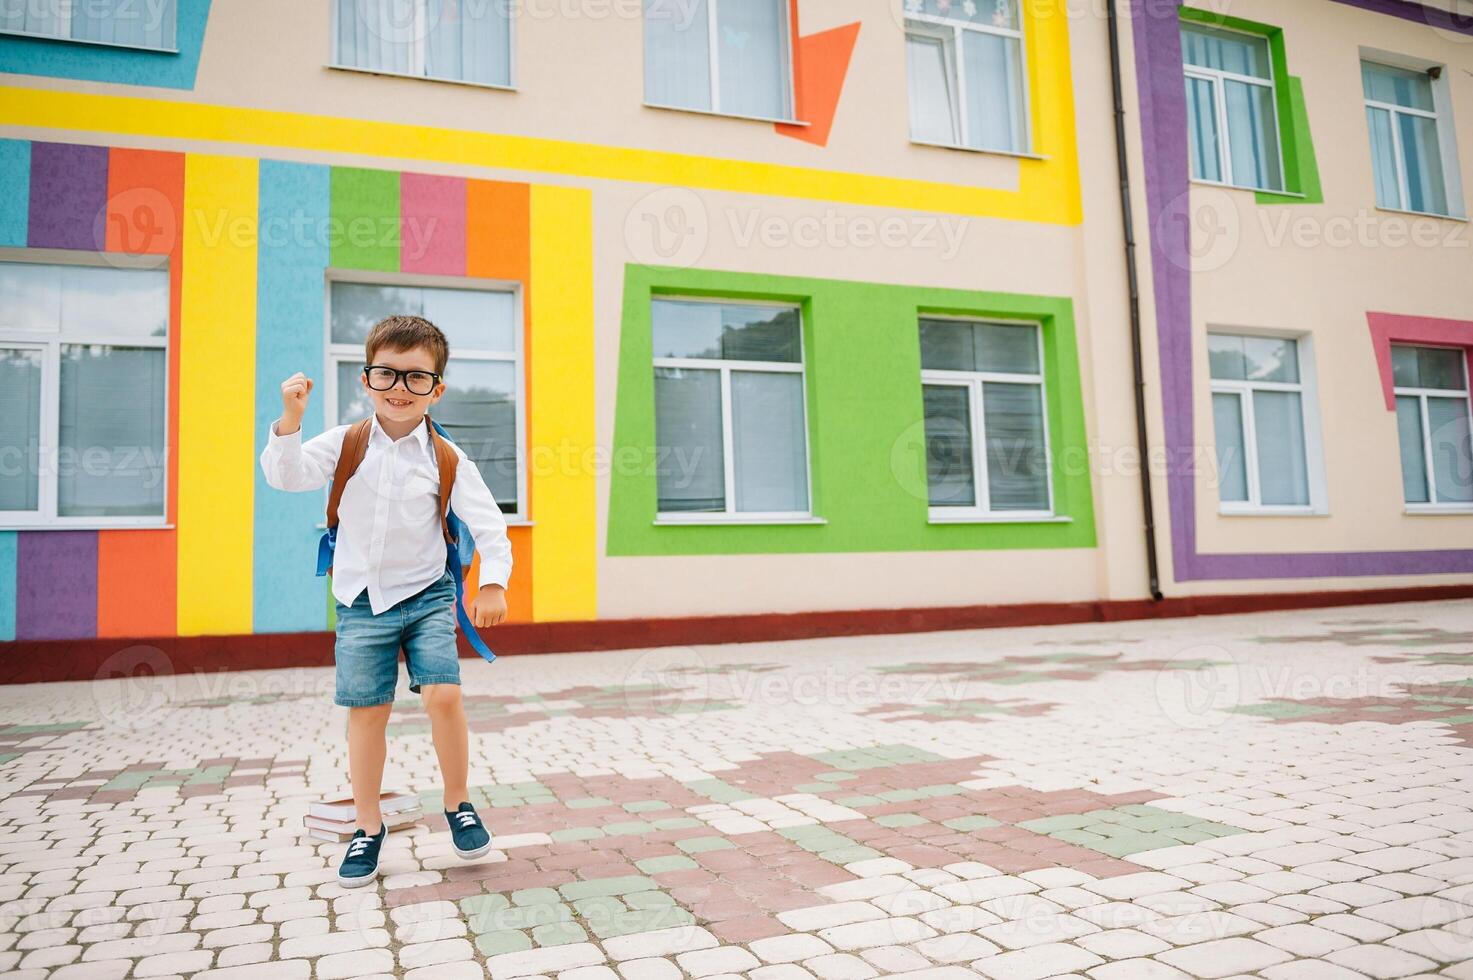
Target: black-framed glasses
[381,378]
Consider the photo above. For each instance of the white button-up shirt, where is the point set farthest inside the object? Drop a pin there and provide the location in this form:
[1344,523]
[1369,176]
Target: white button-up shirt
[389,539]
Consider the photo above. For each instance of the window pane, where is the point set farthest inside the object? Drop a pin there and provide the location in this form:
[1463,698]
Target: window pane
[1398,86]
[356,307]
[1017,464]
[353,402]
[677,53]
[1452,453]
[377,34]
[479,410]
[1383,158]
[20,428]
[1426,189]
[1278,426]
[1202,132]
[932,110]
[948,345]
[120,302]
[111,435]
[981,13]
[144,24]
[1271,359]
[1226,358]
[1413,449]
[1241,54]
[469,40]
[771,466]
[1404,371]
[1440,367]
[1006,349]
[30,296]
[994,92]
[752,36]
[691,470]
[949,474]
[473,319]
[1232,468]
[47,19]
[747,333]
[1253,136]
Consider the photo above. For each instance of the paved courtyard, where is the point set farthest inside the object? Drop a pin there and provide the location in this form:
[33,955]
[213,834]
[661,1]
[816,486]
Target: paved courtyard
[1285,795]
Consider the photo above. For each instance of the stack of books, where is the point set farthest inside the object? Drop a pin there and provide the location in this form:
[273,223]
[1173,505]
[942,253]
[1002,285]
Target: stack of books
[335,820]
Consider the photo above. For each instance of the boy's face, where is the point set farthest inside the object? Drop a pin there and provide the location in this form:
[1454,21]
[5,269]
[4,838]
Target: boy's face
[399,404]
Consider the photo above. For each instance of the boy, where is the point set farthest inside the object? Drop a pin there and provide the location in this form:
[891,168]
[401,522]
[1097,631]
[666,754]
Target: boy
[390,579]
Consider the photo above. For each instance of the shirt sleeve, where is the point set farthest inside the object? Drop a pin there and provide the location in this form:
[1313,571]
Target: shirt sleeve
[290,464]
[473,503]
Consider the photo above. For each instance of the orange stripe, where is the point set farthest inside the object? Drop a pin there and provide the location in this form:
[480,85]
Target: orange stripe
[137,571]
[498,246]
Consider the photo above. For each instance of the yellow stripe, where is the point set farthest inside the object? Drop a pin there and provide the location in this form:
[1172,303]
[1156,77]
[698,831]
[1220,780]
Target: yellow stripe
[217,355]
[565,537]
[1048,188]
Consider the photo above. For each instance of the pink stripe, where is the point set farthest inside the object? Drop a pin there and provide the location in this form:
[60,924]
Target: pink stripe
[1389,327]
[432,224]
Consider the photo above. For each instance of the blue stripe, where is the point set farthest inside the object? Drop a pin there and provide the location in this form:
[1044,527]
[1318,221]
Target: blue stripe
[295,201]
[15,192]
[7,585]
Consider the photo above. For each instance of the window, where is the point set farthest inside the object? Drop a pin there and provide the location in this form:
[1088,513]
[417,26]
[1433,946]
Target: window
[83,394]
[1232,125]
[730,420]
[482,405]
[987,449]
[1432,419]
[449,40]
[727,56]
[1406,154]
[965,67]
[127,23]
[1258,414]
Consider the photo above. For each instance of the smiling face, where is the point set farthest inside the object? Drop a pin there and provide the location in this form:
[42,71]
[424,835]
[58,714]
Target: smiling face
[399,404]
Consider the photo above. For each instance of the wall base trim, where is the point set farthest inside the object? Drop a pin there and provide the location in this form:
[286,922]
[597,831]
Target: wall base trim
[33,661]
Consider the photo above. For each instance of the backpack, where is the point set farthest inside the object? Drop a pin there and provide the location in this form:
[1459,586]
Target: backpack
[459,544]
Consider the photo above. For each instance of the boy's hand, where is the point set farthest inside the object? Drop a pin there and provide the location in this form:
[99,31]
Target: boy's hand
[294,392]
[488,606]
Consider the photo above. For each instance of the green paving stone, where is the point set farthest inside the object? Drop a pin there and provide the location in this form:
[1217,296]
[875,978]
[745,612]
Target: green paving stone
[628,827]
[813,788]
[828,842]
[1187,835]
[599,905]
[854,802]
[559,934]
[1077,837]
[1216,829]
[1049,825]
[697,845]
[549,798]
[645,806]
[848,855]
[900,820]
[805,830]
[606,886]
[536,896]
[1279,709]
[506,941]
[941,789]
[587,802]
[667,862]
[677,823]
[970,823]
[476,904]
[1132,844]
[717,791]
[648,900]
[642,920]
[527,916]
[575,833]
[835,777]
[902,795]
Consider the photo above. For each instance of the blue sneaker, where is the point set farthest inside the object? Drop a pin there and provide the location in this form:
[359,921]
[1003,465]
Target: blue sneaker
[468,835]
[360,862]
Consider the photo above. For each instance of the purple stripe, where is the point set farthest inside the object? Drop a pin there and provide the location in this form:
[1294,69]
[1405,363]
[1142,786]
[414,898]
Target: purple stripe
[1162,94]
[56,585]
[68,196]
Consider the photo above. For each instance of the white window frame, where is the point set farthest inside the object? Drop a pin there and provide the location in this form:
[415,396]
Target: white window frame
[1307,387]
[1440,114]
[728,452]
[713,36]
[1216,77]
[417,55]
[46,516]
[336,354]
[982,511]
[949,33]
[1434,506]
[171,47]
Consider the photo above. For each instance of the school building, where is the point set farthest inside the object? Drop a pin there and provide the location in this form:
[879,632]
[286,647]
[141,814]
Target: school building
[768,317]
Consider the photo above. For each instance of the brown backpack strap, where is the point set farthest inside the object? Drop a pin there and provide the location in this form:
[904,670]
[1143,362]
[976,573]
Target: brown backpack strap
[355,447]
[449,463]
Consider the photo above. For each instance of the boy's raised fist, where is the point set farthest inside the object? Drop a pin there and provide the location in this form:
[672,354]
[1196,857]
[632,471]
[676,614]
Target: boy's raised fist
[294,392]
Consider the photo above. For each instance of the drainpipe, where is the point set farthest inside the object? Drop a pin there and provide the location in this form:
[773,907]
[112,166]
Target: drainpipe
[1132,273]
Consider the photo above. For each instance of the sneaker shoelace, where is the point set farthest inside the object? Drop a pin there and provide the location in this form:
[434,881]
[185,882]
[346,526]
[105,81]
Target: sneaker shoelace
[359,846]
[466,819]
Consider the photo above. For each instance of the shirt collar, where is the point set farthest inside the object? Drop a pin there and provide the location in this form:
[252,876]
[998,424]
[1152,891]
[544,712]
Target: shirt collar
[420,435]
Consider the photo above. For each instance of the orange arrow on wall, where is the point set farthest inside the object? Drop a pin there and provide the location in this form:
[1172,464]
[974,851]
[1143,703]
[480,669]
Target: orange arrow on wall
[821,61]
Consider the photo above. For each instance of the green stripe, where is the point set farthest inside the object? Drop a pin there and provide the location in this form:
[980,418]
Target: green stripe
[364,231]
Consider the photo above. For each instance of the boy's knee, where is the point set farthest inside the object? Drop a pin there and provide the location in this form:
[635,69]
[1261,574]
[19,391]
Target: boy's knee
[440,697]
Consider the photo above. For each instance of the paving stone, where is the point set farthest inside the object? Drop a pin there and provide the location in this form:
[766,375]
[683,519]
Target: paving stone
[1224,957]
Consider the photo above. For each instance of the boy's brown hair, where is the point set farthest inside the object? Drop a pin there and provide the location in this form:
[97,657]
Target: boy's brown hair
[402,333]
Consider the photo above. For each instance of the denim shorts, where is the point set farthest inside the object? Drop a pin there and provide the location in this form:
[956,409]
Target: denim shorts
[367,650]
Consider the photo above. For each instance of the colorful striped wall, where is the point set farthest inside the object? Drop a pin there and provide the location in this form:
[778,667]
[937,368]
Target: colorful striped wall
[249,244]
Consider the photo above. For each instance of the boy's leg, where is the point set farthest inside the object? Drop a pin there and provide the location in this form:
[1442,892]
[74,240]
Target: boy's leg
[451,735]
[434,673]
[367,747]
